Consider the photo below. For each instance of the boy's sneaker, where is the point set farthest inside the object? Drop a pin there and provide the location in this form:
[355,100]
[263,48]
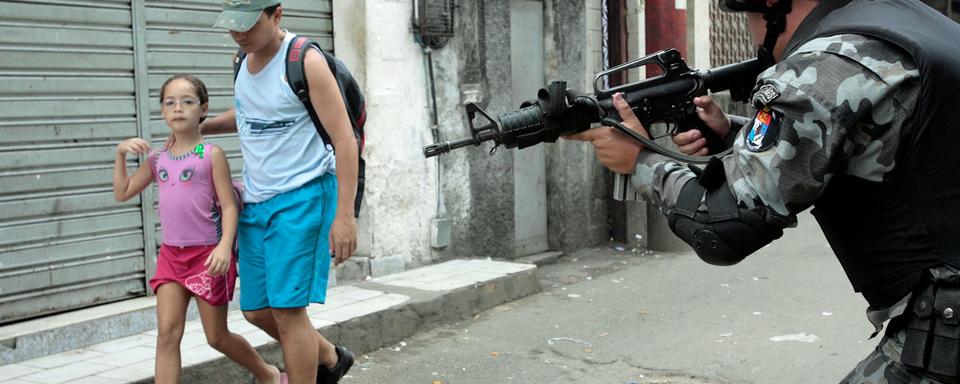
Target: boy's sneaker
[332,376]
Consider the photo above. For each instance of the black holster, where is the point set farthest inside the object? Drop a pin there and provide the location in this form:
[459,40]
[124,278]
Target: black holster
[932,344]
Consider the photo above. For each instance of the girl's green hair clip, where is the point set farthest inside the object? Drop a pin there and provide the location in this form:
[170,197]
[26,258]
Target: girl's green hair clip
[198,150]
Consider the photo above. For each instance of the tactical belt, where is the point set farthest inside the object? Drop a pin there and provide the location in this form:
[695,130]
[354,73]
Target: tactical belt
[932,322]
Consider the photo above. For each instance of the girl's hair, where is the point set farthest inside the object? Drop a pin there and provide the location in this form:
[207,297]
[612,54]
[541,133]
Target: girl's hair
[198,86]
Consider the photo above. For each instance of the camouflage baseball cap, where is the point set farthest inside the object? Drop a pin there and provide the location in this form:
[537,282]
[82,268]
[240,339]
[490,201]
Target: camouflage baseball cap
[241,15]
[743,5]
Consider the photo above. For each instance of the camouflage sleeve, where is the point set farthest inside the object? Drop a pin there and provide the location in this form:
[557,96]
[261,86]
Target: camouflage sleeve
[837,105]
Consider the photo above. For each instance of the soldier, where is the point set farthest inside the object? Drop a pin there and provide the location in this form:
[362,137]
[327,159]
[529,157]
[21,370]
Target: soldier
[853,120]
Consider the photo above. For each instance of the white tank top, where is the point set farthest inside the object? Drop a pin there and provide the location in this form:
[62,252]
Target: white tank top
[281,148]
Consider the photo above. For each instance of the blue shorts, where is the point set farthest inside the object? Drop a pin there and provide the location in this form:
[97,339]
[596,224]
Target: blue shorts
[284,251]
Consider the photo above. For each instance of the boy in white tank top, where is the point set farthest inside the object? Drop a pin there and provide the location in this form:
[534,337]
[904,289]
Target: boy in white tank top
[299,193]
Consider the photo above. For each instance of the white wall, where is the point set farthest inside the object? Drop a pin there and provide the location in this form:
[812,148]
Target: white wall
[374,39]
[594,46]
[699,11]
[636,36]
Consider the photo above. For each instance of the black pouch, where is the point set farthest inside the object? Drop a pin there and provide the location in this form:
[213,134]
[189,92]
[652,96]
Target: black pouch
[932,343]
[919,338]
[945,351]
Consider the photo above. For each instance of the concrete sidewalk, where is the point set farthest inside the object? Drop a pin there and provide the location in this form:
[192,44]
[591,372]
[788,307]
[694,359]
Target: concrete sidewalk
[363,317]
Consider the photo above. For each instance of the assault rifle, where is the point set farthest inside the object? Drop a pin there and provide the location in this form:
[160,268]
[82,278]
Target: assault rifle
[666,98]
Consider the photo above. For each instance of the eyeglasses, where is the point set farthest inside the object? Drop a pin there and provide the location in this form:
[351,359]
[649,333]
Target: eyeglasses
[186,102]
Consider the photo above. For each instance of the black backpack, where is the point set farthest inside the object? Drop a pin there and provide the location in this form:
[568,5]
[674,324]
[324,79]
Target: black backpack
[352,97]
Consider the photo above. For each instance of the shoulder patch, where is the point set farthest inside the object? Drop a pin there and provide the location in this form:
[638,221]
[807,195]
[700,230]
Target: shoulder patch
[764,95]
[764,131]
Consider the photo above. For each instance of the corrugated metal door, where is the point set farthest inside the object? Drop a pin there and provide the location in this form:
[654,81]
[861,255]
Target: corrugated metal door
[529,165]
[67,94]
[73,76]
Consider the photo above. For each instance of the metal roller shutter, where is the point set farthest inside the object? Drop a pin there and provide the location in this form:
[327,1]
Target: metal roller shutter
[67,94]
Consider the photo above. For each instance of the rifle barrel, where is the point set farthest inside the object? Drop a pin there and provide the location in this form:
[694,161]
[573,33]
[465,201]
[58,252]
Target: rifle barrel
[485,133]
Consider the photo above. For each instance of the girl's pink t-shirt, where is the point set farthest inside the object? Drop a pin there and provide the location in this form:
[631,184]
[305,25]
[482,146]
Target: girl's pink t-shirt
[188,209]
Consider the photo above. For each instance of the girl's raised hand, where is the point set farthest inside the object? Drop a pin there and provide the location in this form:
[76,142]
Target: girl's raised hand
[218,262]
[135,145]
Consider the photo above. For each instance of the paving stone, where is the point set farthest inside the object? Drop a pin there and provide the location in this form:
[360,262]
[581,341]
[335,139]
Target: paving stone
[133,372]
[340,315]
[241,326]
[332,302]
[191,340]
[62,359]
[446,285]
[360,294]
[124,343]
[126,357]
[95,379]
[258,337]
[319,323]
[199,354]
[10,371]
[478,276]
[17,381]
[66,373]
[382,302]
[402,283]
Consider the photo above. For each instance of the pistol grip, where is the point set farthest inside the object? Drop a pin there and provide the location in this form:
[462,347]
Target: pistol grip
[715,144]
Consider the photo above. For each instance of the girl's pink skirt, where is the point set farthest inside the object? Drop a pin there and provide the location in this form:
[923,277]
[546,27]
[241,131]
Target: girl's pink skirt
[184,265]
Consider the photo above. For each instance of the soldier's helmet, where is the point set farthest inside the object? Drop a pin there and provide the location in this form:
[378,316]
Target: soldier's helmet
[744,5]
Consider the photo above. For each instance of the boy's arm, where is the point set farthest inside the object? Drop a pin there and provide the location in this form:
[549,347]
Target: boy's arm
[125,187]
[330,107]
[223,123]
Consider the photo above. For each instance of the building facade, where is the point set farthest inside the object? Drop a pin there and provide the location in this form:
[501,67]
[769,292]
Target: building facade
[79,76]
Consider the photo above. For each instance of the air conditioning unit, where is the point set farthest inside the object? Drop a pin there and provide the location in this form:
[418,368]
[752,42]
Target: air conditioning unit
[433,21]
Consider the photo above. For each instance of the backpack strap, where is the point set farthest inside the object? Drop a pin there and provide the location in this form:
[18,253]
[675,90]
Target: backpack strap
[297,78]
[237,62]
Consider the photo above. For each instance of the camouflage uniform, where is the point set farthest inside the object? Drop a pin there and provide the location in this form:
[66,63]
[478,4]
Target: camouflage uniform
[883,365]
[843,103]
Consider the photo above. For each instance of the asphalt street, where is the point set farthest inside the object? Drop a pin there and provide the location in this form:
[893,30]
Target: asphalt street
[785,315]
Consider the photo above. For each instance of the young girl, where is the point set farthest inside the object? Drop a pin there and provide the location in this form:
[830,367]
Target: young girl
[198,217]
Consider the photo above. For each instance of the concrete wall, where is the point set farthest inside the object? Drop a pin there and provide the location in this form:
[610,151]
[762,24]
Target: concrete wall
[698,33]
[577,191]
[475,191]
[390,67]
